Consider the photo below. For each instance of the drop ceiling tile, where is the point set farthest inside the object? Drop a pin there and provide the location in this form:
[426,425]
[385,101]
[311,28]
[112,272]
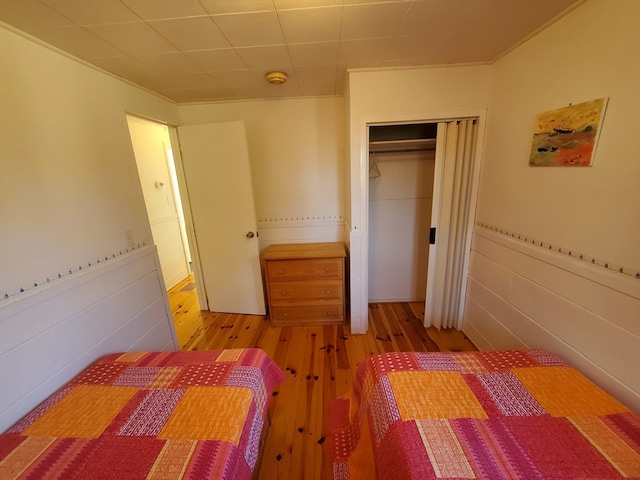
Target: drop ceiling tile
[417,50]
[289,89]
[273,56]
[210,94]
[179,95]
[525,16]
[190,80]
[247,91]
[133,38]
[317,74]
[229,79]
[256,86]
[372,20]
[311,24]
[363,53]
[217,60]
[168,63]
[163,9]
[318,89]
[125,67]
[441,17]
[29,15]
[307,54]
[77,41]
[93,12]
[250,29]
[195,33]
[157,82]
[468,50]
[217,7]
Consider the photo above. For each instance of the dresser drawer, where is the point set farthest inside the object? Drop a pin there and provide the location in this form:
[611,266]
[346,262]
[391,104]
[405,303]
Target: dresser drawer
[307,315]
[305,269]
[310,292]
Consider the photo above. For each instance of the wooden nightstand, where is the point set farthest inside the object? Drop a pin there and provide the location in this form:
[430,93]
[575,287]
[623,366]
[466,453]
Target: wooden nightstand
[305,283]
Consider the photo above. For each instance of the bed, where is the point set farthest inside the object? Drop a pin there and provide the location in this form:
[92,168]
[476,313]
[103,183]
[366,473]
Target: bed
[149,415]
[520,414]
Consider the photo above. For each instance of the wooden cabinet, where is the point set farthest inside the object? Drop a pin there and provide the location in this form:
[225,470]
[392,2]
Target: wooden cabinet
[305,283]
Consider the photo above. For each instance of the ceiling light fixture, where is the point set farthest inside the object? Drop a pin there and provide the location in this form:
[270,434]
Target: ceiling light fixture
[276,78]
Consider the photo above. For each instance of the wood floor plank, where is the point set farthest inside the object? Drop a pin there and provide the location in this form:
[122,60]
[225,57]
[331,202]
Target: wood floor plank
[329,393]
[394,323]
[319,364]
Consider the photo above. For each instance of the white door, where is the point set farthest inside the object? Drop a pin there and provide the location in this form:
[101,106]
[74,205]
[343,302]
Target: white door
[216,167]
[435,276]
[450,217]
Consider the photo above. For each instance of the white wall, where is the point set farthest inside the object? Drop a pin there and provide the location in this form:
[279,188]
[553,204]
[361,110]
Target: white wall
[570,206]
[150,143]
[400,201]
[69,189]
[407,95]
[524,294]
[296,150]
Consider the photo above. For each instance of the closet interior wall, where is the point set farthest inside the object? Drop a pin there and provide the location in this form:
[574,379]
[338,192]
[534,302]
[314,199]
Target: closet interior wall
[401,172]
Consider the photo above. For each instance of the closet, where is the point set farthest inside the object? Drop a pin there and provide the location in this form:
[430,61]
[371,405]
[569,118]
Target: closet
[401,174]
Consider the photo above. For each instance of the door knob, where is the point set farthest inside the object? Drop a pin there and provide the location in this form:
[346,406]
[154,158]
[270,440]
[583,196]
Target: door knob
[250,235]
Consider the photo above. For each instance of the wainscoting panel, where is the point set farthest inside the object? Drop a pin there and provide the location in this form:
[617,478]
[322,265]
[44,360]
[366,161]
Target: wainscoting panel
[57,305]
[52,333]
[485,327]
[521,294]
[595,288]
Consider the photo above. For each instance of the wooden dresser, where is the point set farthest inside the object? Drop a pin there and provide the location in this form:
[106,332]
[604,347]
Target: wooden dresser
[305,283]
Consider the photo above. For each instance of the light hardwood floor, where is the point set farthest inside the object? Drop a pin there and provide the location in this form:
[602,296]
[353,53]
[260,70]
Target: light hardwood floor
[319,364]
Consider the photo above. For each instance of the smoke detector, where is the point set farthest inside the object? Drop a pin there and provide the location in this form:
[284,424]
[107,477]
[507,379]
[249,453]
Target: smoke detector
[276,78]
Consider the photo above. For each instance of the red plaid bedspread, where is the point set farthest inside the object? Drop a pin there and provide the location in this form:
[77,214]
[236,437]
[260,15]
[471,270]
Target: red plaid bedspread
[490,415]
[148,415]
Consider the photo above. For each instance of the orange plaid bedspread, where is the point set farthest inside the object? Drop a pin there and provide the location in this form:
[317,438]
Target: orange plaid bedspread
[489,415]
[148,415]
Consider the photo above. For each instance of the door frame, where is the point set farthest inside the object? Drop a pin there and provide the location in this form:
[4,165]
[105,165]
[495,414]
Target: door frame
[359,228]
[369,213]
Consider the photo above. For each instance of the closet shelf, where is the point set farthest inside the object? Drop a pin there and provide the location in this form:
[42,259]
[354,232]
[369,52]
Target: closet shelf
[398,146]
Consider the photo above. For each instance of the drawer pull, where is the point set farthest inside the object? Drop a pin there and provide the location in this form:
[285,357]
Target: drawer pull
[327,292]
[326,269]
[284,294]
[331,314]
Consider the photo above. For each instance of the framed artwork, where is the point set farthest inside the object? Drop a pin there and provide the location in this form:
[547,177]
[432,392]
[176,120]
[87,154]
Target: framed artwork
[567,136]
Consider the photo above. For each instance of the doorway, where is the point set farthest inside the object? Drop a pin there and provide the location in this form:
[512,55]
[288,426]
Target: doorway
[455,190]
[401,173]
[212,159]
[152,146]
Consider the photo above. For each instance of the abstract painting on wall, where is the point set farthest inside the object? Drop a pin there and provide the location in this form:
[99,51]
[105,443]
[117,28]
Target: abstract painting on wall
[568,136]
